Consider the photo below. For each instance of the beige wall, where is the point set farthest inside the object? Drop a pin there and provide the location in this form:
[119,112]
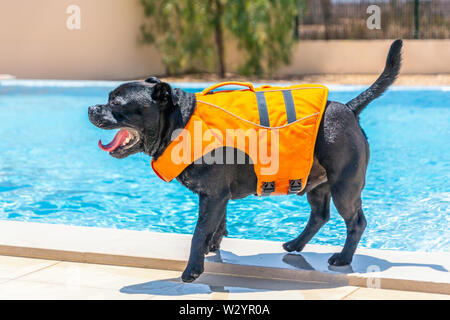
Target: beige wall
[367,56]
[35,43]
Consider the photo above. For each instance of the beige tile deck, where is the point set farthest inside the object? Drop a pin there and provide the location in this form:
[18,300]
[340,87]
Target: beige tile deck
[244,269]
[15,267]
[30,290]
[70,280]
[386,294]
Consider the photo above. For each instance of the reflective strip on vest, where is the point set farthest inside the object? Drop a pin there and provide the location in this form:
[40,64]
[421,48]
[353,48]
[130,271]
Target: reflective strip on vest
[290,106]
[262,108]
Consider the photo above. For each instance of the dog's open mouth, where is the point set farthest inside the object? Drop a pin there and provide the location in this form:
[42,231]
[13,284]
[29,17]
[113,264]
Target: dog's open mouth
[125,138]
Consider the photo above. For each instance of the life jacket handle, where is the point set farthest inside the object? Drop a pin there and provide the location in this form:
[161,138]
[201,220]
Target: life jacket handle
[217,85]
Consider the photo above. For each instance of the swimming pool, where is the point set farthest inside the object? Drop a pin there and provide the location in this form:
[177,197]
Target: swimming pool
[52,171]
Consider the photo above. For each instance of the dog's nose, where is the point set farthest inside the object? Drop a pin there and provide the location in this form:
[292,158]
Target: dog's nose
[93,109]
[93,112]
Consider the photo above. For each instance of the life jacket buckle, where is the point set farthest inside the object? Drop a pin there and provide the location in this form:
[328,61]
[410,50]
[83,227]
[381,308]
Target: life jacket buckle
[267,188]
[295,186]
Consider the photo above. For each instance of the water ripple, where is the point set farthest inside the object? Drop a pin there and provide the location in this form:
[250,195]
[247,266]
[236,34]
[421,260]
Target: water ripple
[52,171]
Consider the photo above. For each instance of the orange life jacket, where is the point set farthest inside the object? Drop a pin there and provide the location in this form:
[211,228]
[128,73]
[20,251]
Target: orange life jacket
[275,126]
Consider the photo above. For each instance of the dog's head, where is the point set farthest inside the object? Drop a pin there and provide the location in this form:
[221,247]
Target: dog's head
[138,110]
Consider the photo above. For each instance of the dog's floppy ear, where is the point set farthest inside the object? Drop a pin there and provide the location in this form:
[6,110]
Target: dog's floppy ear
[162,93]
[152,80]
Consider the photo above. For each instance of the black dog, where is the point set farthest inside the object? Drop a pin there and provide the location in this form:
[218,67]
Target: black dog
[147,113]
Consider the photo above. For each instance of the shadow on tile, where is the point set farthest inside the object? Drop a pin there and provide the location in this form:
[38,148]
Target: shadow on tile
[316,261]
[210,283]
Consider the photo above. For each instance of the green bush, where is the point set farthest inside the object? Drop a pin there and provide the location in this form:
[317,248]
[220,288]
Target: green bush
[189,34]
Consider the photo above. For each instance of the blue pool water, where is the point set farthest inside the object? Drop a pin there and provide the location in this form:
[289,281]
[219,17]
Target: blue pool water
[52,171]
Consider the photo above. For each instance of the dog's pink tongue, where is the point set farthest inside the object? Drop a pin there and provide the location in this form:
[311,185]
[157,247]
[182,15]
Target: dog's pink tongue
[117,141]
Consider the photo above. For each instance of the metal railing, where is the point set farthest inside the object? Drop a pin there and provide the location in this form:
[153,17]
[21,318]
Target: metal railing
[347,19]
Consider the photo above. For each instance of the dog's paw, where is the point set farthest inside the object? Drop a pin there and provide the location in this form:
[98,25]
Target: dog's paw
[214,244]
[292,246]
[213,247]
[192,272]
[338,259]
[216,240]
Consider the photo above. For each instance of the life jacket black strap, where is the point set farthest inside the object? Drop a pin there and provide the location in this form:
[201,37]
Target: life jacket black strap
[262,107]
[295,186]
[267,188]
[290,106]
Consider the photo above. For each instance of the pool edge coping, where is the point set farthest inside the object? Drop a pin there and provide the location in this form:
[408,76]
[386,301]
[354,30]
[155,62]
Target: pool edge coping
[167,251]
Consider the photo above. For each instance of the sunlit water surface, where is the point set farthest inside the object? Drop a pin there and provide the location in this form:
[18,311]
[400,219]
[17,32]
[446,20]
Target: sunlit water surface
[52,171]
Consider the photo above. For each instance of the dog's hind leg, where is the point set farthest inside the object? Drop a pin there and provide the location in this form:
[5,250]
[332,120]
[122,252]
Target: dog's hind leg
[212,209]
[347,199]
[319,200]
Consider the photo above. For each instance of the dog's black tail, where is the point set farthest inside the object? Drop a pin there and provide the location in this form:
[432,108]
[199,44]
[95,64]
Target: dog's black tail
[387,78]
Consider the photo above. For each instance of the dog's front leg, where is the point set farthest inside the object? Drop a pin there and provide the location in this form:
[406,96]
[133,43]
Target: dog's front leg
[212,210]
[221,231]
